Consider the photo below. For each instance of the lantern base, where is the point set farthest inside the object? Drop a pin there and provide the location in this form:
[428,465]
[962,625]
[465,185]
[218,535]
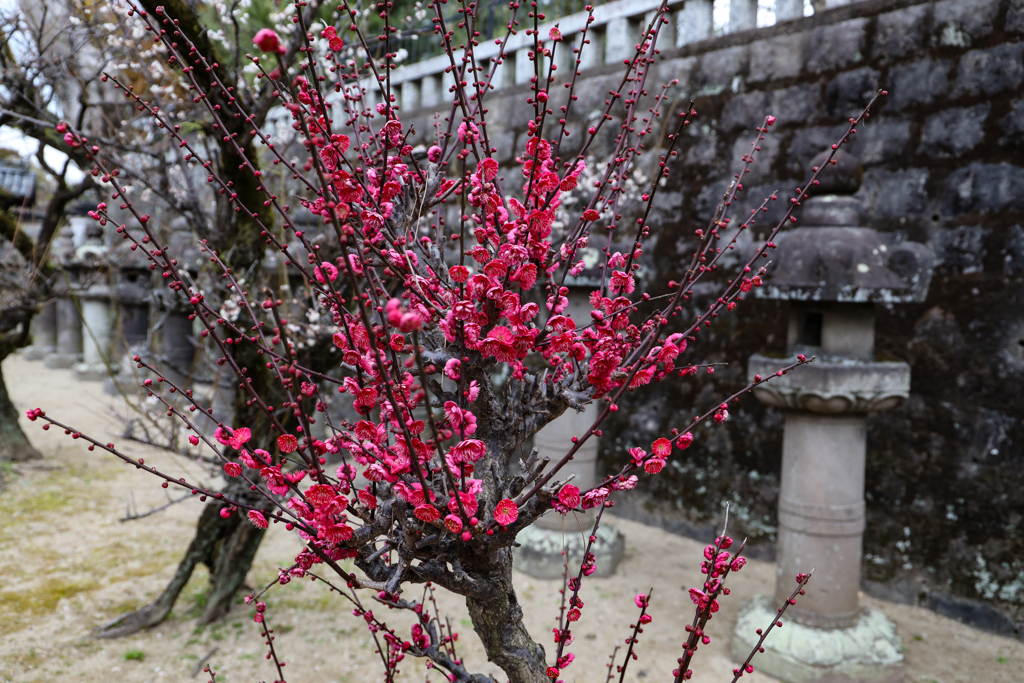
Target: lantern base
[867,652]
[94,372]
[62,361]
[540,551]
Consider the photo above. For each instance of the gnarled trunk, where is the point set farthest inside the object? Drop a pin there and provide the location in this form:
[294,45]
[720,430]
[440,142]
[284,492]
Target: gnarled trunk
[226,546]
[499,623]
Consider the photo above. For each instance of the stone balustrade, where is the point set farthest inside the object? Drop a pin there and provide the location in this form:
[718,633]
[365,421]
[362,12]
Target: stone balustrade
[612,35]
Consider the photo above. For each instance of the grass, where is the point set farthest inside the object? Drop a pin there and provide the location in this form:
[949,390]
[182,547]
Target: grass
[135,656]
[16,604]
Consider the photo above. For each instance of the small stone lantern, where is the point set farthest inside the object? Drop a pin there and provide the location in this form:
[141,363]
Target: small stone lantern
[68,349]
[96,308]
[541,545]
[833,272]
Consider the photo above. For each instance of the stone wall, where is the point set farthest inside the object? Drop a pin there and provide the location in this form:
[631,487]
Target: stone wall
[942,165]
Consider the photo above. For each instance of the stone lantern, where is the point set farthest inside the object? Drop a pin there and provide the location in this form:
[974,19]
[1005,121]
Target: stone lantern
[44,332]
[68,348]
[833,273]
[540,551]
[96,308]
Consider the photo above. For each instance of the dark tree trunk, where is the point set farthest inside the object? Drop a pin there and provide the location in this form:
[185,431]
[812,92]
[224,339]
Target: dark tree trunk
[14,445]
[232,560]
[499,624]
[226,546]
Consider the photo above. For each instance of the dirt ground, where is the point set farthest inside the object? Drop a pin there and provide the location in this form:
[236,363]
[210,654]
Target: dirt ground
[67,565]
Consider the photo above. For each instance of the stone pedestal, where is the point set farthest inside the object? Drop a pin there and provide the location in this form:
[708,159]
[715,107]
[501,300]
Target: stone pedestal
[177,350]
[97,332]
[867,651]
[131,337]
[69,335]
[44,333]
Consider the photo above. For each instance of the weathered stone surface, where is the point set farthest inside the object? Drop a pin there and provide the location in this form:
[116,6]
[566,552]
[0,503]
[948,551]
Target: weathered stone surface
[681,68]
[1013,125]
[952,132]
[807,143]
[882,140]
[868,652]
[836,46]
[975,18]
[744,111]
[777,57]
[1015,16]
[1014,251]
[762,169]
[901,32]
[703,152]
[540,551]
[962,249]
[850,91]
[990,71]
[919,82]
[972,613]
[717,69]
[796,104]
[984,188]
[895,193]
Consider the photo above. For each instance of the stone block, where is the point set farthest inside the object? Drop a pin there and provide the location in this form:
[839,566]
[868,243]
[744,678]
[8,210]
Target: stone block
[1014,263]
[962,249]
[764,160]
[718,68]
[778,57]
[1015,17]
[745,111]
[1013,125]
[985,188]
[808,143]
[836,46]
[848,93]
[889,194]
[880,140]
[899,33]
[972,613]
[681,69]
[952,132]
[954,19]
[800,104]
[920,82]
[990,71]
[703,149]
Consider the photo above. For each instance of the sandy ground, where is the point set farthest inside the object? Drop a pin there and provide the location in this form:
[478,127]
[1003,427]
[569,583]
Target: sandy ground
[68,565]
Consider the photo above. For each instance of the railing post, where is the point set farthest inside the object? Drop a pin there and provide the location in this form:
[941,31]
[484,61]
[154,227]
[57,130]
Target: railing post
[619,40]
[410,95]
[667,34]
[524,67]
[593,52]
[788,9]
[742,15]
[429,91]
[695,22]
